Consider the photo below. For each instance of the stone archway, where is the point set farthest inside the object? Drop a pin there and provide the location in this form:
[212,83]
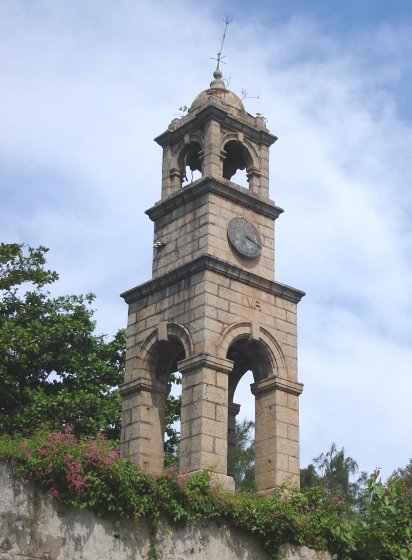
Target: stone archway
[144,396]
[238,153]
[253,348]
[247,354]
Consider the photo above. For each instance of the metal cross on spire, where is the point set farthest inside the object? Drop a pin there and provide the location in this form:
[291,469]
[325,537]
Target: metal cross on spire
[217,73]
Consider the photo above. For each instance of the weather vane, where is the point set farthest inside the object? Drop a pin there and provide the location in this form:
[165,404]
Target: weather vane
[218,74]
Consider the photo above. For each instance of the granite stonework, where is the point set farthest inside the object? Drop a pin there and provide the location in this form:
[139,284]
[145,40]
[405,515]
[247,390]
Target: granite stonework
[209,311]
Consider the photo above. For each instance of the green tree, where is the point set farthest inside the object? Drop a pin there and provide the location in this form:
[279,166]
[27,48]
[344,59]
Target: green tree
[53,368]
[404,475]
[242,463]
[383,526]
[172,439]
[309,477]
[334,472]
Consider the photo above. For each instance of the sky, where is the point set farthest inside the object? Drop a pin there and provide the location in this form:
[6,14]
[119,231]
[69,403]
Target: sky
[86,86]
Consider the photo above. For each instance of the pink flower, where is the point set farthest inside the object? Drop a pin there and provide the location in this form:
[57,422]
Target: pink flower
[77,482]
[111,458]
[23,446]
[338,500]
[74,467]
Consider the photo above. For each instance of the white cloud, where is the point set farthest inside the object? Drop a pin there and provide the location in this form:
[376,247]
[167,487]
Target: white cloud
[87,86]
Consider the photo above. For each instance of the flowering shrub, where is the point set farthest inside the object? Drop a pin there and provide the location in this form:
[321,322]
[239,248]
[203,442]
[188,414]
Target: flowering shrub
[88,473]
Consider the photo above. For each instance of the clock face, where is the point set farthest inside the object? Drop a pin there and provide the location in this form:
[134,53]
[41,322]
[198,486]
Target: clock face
[244,237]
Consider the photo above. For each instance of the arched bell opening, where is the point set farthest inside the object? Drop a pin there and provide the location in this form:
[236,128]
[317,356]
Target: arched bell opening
[162,363]
[190,163]
[236,161]
[251,362]
[164,357]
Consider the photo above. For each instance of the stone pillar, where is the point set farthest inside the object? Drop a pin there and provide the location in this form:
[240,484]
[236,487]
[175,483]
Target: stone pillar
[233,411]
[175,177]
[143,422]
[204,416]
[167,182]
[264,171]
[276,433]
[253,177]
[212,164]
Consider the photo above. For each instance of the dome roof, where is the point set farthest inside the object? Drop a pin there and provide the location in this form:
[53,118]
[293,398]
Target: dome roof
[218,89]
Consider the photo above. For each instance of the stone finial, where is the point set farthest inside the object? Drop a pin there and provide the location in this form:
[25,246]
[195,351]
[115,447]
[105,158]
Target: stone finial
[218,82]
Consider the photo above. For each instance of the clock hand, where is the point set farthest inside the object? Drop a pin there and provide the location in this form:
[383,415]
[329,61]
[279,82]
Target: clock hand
[252,240]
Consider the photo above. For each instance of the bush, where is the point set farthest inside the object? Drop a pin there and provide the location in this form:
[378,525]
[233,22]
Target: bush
[88,473]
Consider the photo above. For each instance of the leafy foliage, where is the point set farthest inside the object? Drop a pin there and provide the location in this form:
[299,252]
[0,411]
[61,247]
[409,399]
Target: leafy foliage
[172,439]
[384,527]
[309,477]
[333,471]
[242,462]
[88,473]
[404,475]
[53,368]
[52,365]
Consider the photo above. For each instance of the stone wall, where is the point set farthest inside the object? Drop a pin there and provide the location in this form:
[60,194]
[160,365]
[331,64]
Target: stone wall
[193,222]
[33,526]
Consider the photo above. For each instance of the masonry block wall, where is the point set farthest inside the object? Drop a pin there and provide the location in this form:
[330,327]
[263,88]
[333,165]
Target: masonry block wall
[213,310]
[34,526]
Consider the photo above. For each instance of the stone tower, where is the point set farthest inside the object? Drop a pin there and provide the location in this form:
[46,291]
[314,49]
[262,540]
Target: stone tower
[212,309]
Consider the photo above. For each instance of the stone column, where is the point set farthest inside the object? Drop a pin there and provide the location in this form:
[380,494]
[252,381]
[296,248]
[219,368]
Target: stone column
[167,182]
[212,164]
[264,171]
[276,433]
[204,416]
[143,422]
[253,177]
[233,411]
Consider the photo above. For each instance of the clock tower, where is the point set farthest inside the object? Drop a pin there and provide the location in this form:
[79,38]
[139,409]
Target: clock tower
[213,309]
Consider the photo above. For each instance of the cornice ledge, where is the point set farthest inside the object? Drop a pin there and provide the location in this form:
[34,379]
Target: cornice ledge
[240,122]
[246,277]
[194,363]
[207,262]
[143,384]
[213,109]
[222,187]
[276,384]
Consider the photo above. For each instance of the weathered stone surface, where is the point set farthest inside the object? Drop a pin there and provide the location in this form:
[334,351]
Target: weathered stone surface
[211,297]
[33,527]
